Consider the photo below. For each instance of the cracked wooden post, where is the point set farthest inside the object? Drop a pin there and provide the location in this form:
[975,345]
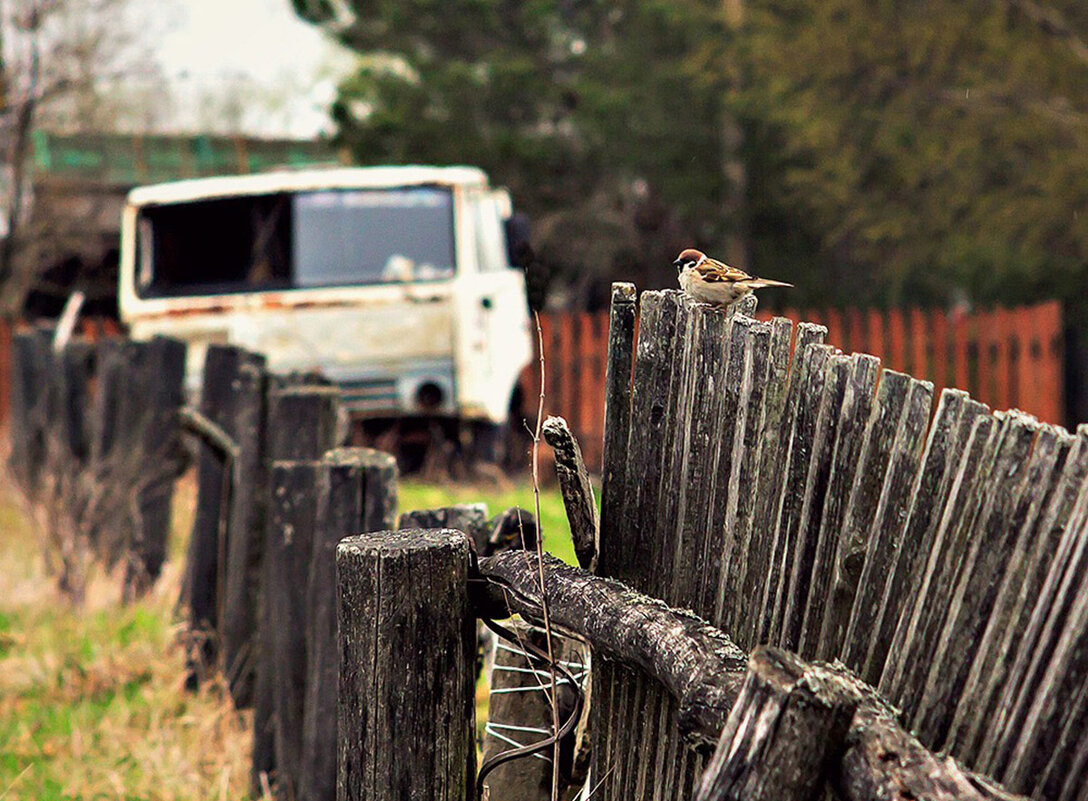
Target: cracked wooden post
[356,493]
[789,720]
[407,639]
[301,427]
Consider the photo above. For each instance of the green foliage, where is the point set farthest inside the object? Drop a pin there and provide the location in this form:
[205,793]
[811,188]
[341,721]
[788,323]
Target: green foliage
[899,151]
[911,148]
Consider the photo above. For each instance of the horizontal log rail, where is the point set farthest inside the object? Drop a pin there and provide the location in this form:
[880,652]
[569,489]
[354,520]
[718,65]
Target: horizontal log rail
[704,670]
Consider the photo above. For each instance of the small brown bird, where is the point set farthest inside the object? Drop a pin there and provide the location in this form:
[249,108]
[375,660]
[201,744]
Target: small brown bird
[710,281]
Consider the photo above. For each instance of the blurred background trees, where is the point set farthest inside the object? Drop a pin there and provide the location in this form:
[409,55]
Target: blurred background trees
[892,152]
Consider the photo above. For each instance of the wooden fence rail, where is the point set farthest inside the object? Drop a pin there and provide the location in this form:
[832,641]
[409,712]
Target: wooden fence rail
[1005,358]
[770,504]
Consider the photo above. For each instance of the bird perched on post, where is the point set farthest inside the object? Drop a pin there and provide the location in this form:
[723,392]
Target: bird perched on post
[710,281]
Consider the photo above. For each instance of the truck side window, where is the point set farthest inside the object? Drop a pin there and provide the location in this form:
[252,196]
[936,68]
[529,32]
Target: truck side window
[490,248]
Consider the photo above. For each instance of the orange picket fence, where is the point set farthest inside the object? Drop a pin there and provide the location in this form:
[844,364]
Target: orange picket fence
[1007,358]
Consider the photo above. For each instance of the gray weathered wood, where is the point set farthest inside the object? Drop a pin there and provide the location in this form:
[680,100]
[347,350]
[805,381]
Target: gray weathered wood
[849,437]
[975,588]
[300,426]
[948,440]
[304,421]
[710,401]
[797,585]
[747,605]
[247,527]
[1006,620]
[702,668]
[916,634]
[292,514]
[577,491]
[807,377]
[161,460]
[1043,699]
[887,529]
[1053,547]
[947,436]
[356,494]
[617,402]
[737,473]
[788,722]
[622,553]
[27,399]
[408,648]
[861,509]
[469,518]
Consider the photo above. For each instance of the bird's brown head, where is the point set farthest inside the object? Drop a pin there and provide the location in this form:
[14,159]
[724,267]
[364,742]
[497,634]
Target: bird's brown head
[688,258]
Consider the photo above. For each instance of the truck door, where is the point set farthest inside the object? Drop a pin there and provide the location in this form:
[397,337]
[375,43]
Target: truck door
[493,322]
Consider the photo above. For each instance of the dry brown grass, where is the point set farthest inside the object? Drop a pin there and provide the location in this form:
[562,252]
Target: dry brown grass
[91,699]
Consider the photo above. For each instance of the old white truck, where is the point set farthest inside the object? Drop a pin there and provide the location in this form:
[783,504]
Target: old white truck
[393,282]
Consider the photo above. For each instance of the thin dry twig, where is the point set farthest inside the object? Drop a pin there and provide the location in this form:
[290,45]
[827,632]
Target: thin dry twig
[546,618]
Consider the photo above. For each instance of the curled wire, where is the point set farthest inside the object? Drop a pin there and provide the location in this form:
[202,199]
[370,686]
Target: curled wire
[535,655]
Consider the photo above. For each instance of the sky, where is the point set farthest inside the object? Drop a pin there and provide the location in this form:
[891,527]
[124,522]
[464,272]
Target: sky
[281,70]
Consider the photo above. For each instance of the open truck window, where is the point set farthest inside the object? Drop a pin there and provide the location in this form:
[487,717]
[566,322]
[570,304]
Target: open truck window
[342,237]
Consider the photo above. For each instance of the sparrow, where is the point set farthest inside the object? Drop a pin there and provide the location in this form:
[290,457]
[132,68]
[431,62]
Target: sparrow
[710,281]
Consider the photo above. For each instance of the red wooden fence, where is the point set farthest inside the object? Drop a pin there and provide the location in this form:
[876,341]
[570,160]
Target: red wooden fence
[1006,358]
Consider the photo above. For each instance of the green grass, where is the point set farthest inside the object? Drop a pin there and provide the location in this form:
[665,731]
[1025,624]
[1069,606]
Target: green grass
[91,699]
[553,519]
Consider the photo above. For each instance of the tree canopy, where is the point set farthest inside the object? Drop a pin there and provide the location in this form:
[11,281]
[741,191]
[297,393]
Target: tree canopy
[899,151]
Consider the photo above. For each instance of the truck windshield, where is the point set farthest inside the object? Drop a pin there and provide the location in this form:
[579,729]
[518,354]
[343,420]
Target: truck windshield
[329,238]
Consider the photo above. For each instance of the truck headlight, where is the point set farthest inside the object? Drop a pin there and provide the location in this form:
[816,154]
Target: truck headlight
[429,396]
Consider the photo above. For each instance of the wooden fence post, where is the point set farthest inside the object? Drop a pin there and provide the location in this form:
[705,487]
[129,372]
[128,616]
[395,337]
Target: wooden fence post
[356,493]
[300,428]
[246,524]
[281,671]
[207,546]
[408,652]
[27,395]
[161,460]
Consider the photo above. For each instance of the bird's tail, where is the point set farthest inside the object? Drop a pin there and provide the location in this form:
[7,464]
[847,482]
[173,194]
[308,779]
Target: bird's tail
[759,283]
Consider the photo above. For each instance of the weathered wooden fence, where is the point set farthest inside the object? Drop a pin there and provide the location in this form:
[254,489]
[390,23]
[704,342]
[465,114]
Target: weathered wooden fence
[809,502]
[769,505]
[95,449]
[817,504]
[1007,358]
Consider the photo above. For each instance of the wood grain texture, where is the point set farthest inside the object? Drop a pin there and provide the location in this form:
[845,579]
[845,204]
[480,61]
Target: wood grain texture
[406,714]
[741,503]
[785,487]
[789,720]
[849,437]
[617,405]
[576,489]
[356,493]
[1007,617]
[703,670]
[926,500]
[861,510]
[813,498]
[748,604]
[1036,597]
[887,530]
[246,524]
[978,575]
[916,635]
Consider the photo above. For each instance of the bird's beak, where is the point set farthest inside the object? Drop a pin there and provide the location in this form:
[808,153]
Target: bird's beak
[677,264]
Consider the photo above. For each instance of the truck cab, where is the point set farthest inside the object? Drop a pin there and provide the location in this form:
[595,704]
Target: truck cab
[395,283]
